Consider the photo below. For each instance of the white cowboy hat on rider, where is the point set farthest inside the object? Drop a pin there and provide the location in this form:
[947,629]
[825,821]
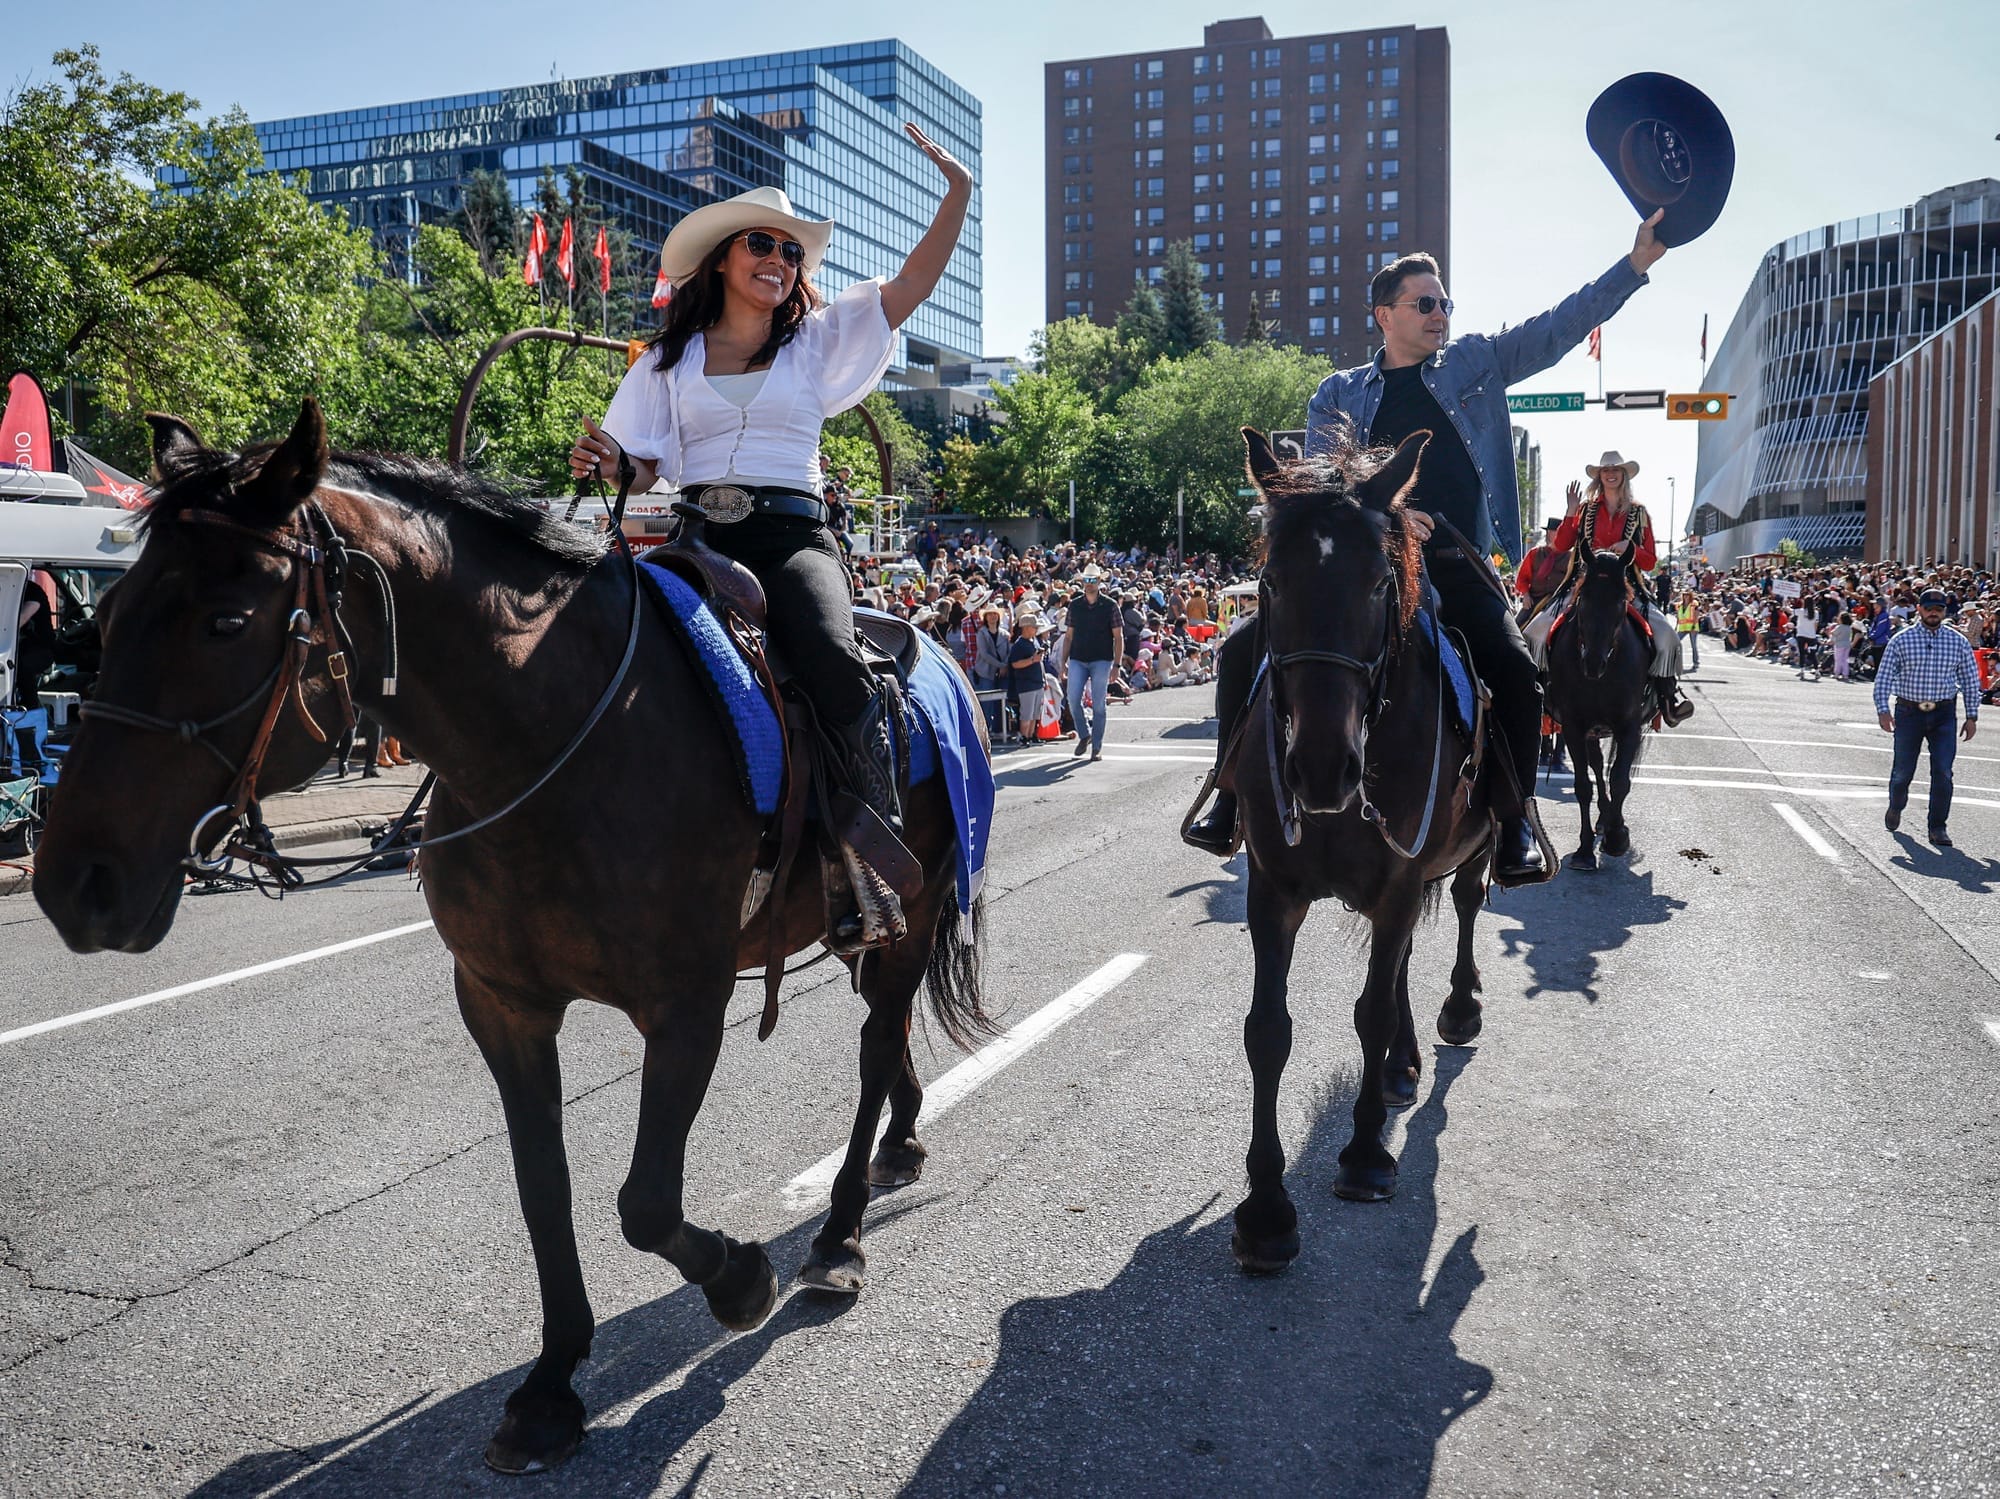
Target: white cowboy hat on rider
[760,208]
[1612,459]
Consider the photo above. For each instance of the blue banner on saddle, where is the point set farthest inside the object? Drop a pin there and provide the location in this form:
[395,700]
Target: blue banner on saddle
[760,740]
[1464,699]
[947,743]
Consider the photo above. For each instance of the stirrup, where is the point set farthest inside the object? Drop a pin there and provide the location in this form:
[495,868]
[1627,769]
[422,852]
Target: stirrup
[1209,788]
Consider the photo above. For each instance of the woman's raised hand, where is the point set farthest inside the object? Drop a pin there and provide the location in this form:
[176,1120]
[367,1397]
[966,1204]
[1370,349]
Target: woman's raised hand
[955,173]
[595,454]
[1574,495]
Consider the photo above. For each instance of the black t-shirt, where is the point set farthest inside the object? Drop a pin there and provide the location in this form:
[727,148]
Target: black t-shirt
[1090,628]
[1025,678]
[1447,483]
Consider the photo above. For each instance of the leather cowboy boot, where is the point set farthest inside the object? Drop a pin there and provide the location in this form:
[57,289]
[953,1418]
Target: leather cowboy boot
[1674,708]
[1517,856]
[1215,833]
[868,766]
[869,761]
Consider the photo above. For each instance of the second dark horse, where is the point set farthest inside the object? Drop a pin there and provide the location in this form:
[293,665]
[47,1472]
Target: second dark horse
[1348,775]
[1598,665]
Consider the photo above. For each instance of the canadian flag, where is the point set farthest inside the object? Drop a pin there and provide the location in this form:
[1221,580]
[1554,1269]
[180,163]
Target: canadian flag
[602,250]
[538,246]
[663,289]
[1597,343]
[566,254]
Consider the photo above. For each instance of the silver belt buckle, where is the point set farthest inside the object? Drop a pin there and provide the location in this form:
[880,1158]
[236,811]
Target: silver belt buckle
[1928,707]
[726,504]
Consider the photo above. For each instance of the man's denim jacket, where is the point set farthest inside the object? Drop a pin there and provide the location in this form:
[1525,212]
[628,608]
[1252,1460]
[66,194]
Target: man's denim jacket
[1469,377]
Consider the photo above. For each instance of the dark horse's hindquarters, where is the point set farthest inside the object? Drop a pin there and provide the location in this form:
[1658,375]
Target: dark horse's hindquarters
[1598,666]
[1357,719]
[508,625]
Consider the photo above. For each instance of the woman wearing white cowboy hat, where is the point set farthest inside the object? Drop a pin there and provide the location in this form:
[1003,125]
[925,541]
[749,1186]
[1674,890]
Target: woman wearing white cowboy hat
[729,406]
[1619,525]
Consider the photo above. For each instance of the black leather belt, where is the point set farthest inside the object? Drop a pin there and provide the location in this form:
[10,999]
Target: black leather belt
[726,504]
[1910,702]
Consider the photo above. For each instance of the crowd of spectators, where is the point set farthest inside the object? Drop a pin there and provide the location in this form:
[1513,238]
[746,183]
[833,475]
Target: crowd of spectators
[1834,619]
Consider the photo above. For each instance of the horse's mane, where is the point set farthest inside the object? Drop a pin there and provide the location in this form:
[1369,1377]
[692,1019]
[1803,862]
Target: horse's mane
[1313,490]
[432,489]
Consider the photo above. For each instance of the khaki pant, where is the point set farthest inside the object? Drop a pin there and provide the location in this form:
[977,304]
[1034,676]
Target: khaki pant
[1666,644]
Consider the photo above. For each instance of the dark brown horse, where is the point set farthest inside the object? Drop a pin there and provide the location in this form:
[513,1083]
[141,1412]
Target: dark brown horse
[1349,782]
[1598,678]
[508,625]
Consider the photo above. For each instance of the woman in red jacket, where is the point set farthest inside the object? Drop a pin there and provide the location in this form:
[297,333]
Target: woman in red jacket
[1618,524]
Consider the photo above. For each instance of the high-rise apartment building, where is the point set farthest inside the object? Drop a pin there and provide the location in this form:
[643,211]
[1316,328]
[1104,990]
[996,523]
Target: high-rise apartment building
[1295,166]
[826,125]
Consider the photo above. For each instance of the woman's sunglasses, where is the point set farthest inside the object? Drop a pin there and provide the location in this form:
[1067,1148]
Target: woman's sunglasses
[761,244]
[1426,305]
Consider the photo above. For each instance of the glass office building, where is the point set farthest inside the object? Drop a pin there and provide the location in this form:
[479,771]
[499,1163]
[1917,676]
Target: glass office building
[824,125]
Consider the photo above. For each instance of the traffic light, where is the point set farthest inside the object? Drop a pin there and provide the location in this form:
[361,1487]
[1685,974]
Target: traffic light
[1703,406]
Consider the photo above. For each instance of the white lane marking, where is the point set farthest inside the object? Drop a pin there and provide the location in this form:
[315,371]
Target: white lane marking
[1051,757]
[1119,718]
[1806,831]
[62,1022]
[811,1185]
[1873,749]
[1992,1027]
[1827,793]
[1875,975]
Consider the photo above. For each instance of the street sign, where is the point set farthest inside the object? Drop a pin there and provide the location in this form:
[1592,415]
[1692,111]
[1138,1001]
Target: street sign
[1636,400]
[1289,445]
[1702,406]
[1246,493]
[1569,400]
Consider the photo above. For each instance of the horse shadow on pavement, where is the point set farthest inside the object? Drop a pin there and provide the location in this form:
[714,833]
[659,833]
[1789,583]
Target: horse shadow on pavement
[1567,925]
[634,1357]
[1226,896]
[1183,1376]
[1977,876]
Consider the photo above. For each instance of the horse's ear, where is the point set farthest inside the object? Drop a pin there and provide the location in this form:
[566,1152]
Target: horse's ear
[176,445]
[1262,462]
[1386,485]
[291,473]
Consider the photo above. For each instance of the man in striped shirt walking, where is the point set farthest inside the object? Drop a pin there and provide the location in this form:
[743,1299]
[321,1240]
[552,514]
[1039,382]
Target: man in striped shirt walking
[1923,670]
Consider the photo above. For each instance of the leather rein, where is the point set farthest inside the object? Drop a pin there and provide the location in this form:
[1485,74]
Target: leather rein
[321,560]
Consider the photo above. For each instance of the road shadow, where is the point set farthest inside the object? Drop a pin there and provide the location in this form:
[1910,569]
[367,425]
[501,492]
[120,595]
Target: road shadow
[1567,925]
[1183,1376]
[1978,876]
[439,1449]
[1226,897]
[1201,729]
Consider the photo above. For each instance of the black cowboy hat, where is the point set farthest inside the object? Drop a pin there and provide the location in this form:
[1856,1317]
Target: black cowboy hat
[1667,146]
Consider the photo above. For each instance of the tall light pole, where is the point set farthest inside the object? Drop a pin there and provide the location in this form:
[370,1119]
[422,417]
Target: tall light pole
[1673,536]
[1180,527]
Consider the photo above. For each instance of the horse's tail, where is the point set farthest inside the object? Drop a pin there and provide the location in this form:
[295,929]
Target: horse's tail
[953,976]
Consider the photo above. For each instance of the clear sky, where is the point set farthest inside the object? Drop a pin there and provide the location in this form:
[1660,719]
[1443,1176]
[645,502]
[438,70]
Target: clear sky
[1839,107]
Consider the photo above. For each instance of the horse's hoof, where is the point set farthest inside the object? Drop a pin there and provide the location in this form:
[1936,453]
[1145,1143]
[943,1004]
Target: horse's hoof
[1460,1032]
[536,1434]
[1582,860]
[1264,1256]
[897,1165]
[1399,1087]
[1365,1181]
[746,1291]
[841,1269]
[1618,842]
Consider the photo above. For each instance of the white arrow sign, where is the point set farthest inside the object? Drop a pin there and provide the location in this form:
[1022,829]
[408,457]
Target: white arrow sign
[1636,400]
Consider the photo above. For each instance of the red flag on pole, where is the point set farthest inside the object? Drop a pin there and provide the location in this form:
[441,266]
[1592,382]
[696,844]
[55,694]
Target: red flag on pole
[538,246]
[602,250]
[663,289]
[566,254]
[1597,343]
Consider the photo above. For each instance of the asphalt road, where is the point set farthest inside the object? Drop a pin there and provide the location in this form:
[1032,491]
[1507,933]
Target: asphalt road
[1709,1209]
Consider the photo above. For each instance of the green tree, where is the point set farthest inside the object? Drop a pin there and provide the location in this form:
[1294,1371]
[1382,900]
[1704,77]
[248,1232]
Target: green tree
[845,439]
[1256,330]
[1048,424]
[226,303]
[490,220]
[1182,425]
[1097,359]
[1187,318]
[1142,326]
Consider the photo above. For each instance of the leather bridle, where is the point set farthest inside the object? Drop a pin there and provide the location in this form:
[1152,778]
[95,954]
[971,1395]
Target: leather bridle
[320,562]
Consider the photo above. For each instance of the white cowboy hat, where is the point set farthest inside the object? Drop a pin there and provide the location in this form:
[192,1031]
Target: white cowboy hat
[760,208]
[1612,459]
[1091,574]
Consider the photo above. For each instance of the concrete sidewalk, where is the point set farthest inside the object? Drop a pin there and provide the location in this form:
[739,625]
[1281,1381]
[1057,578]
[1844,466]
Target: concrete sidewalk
[328,810]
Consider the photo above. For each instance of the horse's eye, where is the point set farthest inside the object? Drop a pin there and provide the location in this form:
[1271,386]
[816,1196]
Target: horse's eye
[228,624]
[1381,587]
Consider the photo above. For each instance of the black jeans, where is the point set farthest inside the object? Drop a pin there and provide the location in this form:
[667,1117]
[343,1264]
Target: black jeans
[811,604]
[1499,654]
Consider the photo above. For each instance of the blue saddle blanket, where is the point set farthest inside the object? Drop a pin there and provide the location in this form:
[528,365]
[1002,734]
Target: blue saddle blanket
[1463,697]
[944,739]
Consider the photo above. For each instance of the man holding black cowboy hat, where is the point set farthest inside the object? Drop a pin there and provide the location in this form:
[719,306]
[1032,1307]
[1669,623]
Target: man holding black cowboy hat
[1670,151]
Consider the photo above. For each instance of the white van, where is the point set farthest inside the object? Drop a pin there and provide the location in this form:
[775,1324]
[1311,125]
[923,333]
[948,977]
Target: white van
[74,552]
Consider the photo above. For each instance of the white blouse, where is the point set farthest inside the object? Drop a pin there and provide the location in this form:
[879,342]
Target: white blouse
[694,434]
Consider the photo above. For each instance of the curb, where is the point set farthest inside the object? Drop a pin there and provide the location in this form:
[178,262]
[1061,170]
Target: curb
[298,835]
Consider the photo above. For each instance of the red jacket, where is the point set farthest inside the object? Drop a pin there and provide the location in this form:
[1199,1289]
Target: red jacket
[1611,530]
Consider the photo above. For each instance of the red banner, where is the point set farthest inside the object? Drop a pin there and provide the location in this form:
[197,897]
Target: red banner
[566,254]
[602,251]
[538,246]
[24,430]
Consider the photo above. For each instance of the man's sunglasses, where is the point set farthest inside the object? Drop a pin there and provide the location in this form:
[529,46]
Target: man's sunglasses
[761,244]
[1427,305]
